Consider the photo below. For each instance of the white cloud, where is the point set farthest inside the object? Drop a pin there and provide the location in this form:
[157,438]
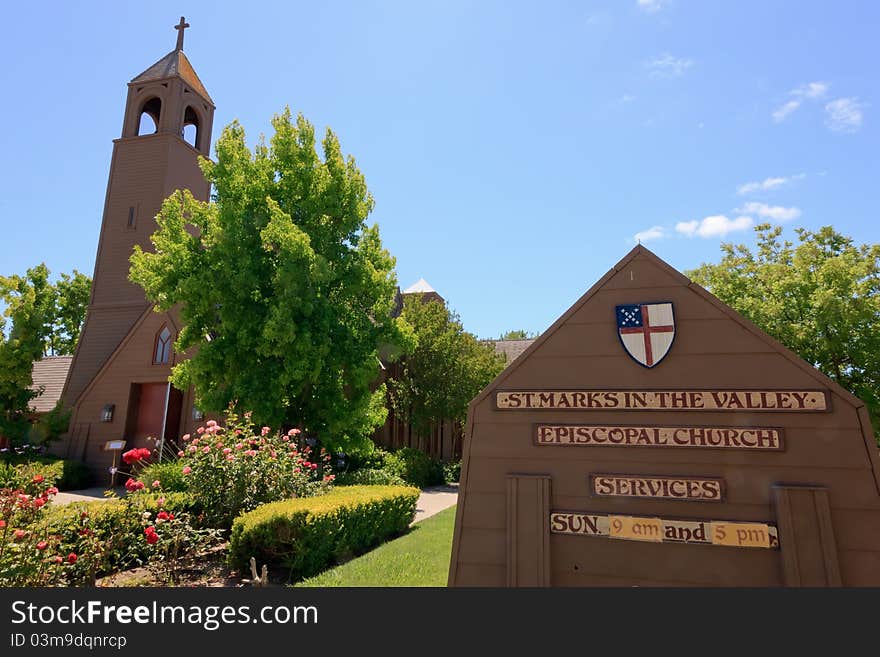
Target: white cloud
[626,98]
[667,66]
[650,6]
[811,90]
[844,114]
[781,112]
[767,184]
[653,233]
[715,226]
[774,212]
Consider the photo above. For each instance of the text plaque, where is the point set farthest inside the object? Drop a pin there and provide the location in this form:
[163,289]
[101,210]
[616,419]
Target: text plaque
[604,435]
[664,400]
[665,530]
[691,489]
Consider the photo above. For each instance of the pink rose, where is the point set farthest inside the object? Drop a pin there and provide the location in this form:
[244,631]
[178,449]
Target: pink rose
[187,470]
[156,484]
[180,453]
[264,431]
[200,430]
[227,450]
[186,436]
[211,423]
[206,449]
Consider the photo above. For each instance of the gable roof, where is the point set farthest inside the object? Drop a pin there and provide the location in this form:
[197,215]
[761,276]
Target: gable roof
[641,252]
[50,373]
[174,63]
[512,349]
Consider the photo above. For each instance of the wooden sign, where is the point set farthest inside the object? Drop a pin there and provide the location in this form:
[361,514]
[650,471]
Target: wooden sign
[666,530]
[764,438]
[660,400]
[730,423]
[694,489]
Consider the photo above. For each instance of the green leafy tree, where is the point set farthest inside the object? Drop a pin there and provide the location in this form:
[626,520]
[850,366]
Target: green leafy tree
[518,334]
[286,296]
[25,322]
[70,303]
[39,319]
[820,298]
[447,369]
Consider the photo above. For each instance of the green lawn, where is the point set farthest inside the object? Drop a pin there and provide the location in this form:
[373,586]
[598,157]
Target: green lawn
[419,558]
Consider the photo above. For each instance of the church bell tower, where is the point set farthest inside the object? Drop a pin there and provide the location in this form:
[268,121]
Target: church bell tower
[166,127]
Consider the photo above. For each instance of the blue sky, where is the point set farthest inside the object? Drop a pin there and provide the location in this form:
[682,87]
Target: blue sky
[514,149]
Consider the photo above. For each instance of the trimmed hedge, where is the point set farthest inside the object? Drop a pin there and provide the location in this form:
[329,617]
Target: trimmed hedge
[64,474]
[306,535]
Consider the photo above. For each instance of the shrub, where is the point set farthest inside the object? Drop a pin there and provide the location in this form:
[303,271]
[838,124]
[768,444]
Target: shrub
[63,474]
[236,468]
[30,555]
[452,471]
[414,467]
[304,536]
[168,473]
[109,535]
[368,477]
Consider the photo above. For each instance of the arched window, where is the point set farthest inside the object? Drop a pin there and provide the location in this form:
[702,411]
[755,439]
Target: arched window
[163,347]
[190,132]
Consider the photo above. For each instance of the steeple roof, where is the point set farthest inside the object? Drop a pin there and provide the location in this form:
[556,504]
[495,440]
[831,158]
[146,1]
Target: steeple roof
[174,63]
[421,286]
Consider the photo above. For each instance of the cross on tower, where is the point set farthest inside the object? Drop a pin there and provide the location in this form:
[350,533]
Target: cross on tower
[180,28]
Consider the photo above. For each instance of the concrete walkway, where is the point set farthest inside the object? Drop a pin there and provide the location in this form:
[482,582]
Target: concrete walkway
[432,500]
[87,495]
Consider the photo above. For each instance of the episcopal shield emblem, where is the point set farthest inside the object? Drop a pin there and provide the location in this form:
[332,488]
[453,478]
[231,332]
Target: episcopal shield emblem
[646,331]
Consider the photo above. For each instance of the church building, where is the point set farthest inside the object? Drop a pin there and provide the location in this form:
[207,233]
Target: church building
[118,385]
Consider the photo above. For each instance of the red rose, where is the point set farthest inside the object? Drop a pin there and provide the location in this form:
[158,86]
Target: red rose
[162,515]
[171,516]
[19,534]
[130,456]
[143,453]
[150,533]
[2,524]
[42,545]
[38,479]
[38,502]
[71,558]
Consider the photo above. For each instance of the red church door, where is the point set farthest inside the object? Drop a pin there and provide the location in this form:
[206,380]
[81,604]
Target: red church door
[149,411]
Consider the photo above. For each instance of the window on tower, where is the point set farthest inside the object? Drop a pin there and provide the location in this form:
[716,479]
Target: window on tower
[163,347]
[148,121]
[191,130]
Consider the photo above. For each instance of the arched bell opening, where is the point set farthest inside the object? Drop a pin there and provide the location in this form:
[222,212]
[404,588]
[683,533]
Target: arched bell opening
[148,118]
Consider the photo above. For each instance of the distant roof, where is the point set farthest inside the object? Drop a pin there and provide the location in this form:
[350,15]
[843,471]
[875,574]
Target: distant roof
[420,286]
[512,348]
[51,373]
[174,63]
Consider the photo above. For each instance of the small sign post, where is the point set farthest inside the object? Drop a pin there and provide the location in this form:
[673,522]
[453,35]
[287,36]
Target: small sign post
[115,446]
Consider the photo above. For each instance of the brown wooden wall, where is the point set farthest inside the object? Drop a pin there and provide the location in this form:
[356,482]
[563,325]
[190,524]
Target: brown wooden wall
[714,349]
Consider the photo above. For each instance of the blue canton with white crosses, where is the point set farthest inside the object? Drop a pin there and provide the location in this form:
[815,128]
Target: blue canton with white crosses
[629,316]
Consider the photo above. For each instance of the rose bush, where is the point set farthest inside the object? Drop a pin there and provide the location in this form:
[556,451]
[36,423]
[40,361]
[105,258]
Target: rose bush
[30,555]
[234,468]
